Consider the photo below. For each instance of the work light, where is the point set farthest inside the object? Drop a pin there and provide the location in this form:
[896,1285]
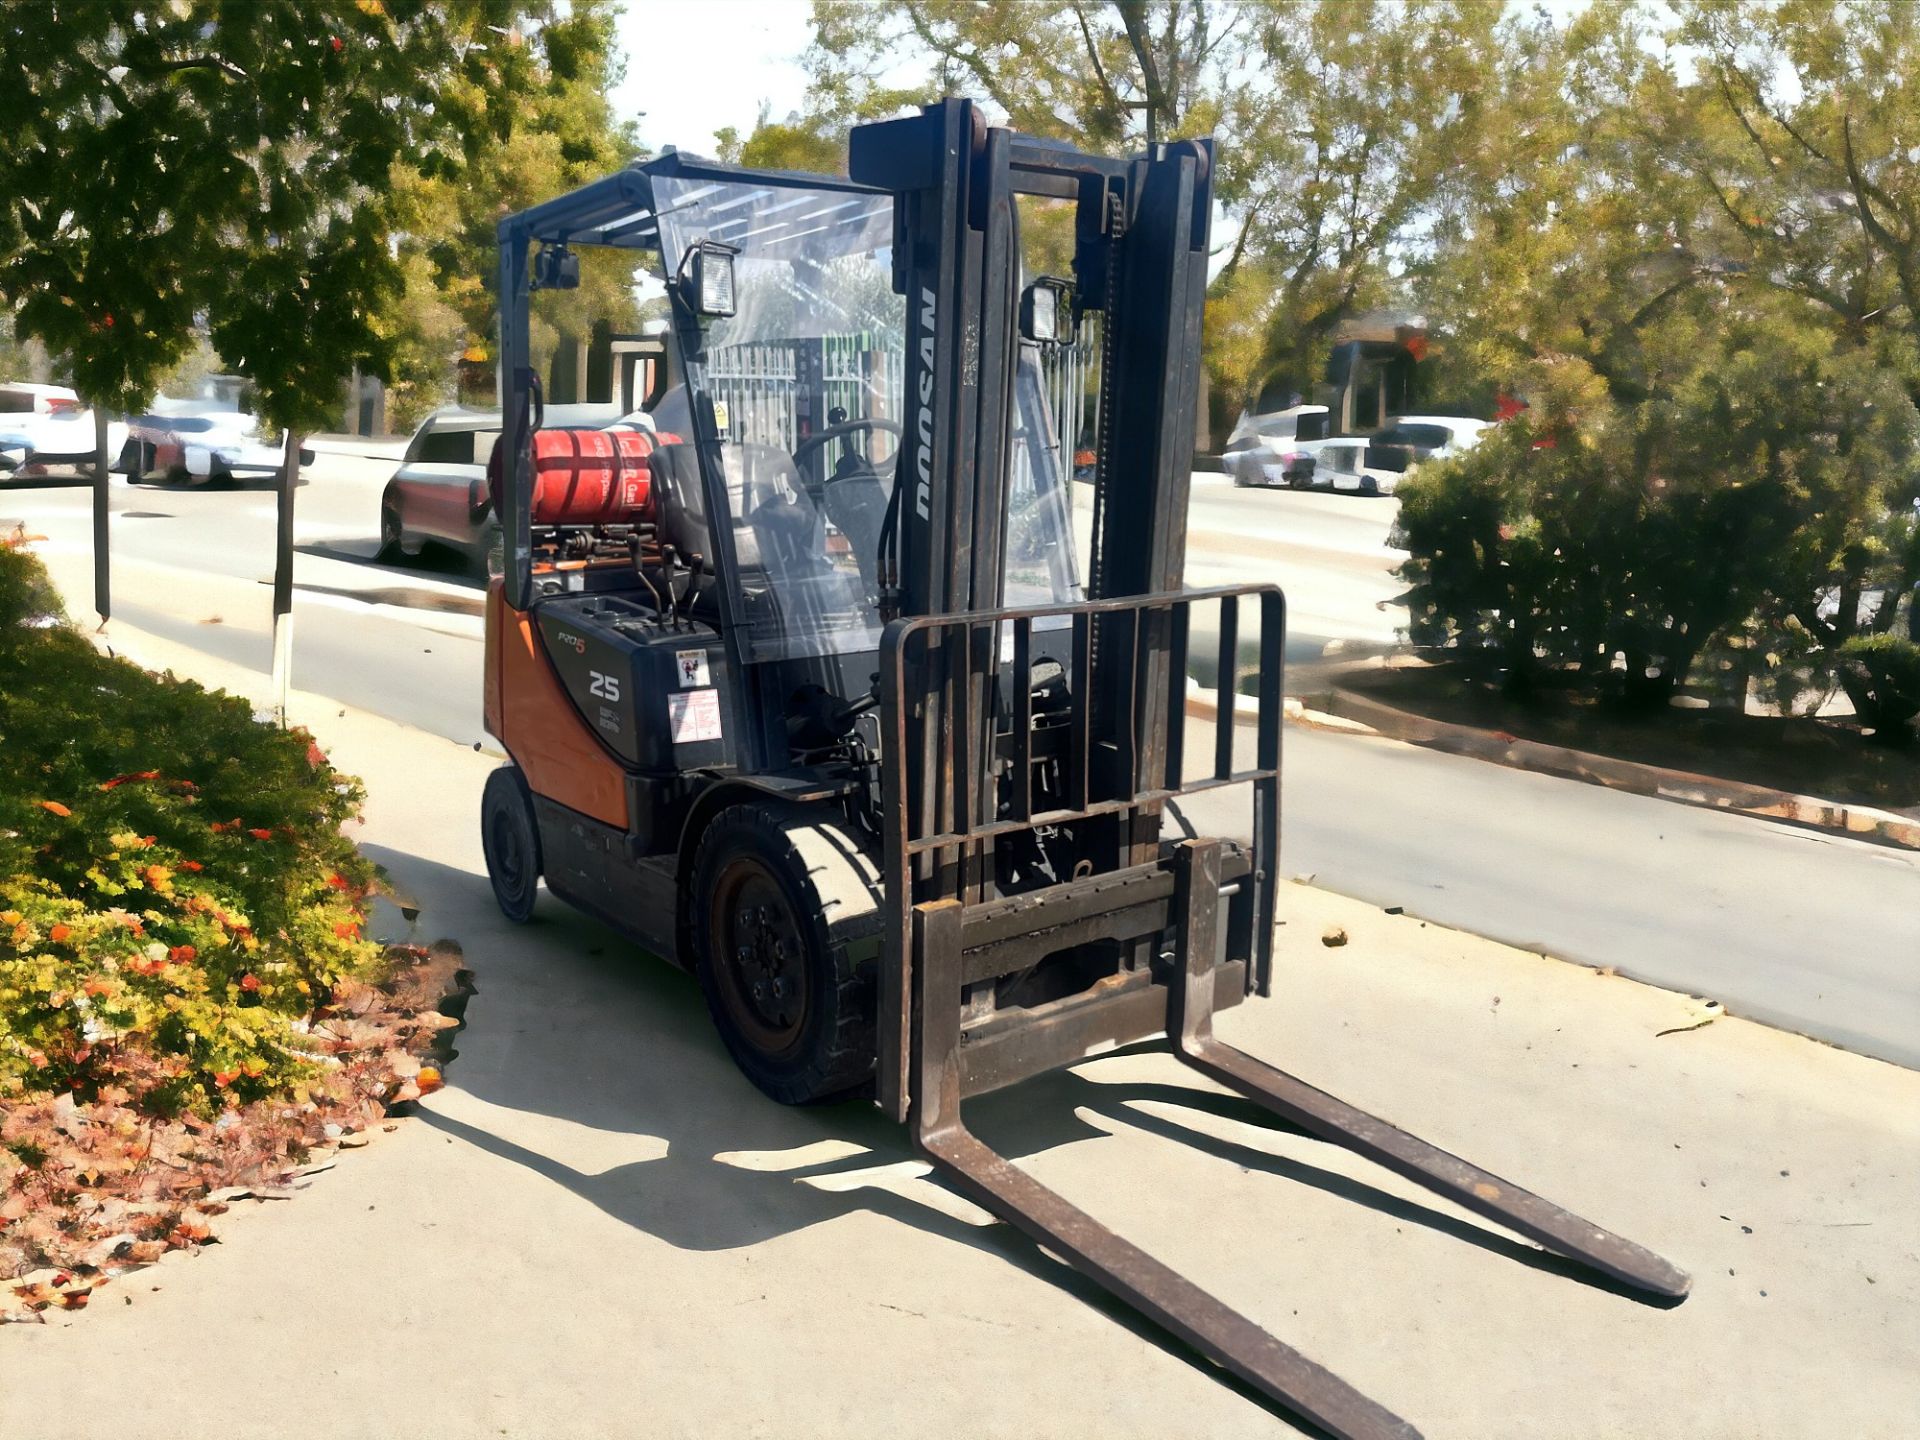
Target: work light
[706,270]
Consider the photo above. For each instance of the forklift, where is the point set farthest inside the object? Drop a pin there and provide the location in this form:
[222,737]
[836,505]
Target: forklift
[815,690]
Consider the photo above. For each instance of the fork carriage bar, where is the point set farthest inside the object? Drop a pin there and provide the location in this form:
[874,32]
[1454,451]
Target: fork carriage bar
[948,811]
[938,946]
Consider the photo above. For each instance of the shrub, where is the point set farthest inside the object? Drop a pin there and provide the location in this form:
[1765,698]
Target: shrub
[1886,671]
[1752,476]
[176,895]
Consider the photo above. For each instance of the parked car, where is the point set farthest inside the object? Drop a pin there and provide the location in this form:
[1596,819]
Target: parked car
[1343,466]
[439,495]
[1414,438]
[1277,448]
[194,441]
[41,426]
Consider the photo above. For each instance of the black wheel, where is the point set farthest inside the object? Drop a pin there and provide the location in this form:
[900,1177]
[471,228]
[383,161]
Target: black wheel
[786,929]
[392,535]
[511,839]
[1369,485]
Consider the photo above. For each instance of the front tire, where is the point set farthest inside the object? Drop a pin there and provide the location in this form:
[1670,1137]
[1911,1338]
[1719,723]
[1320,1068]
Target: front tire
[510,837]
[786,930]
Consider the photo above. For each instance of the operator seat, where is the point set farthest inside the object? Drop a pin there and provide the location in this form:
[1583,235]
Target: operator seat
[683,504]
[764,486]
[775,521]
[856,501]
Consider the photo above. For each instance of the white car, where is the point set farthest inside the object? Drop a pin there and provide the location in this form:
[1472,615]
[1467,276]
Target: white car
[42,425]
[1411,439]
[1342,465]
[196,441]
[1276,448]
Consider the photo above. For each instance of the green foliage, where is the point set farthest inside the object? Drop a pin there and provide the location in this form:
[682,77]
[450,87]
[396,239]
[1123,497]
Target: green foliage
[1646,529]
[176,896]
[564,134]
[1693,274]
[1338,122]
[1887,667]
[806,143]
[237,162]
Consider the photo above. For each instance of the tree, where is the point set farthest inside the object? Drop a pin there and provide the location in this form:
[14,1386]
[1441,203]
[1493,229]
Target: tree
[1707,342]
[564,134]
[799,142]
[1337,122]
[237,162]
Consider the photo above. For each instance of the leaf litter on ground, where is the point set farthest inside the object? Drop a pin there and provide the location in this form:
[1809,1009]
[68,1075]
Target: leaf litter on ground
[91,1189]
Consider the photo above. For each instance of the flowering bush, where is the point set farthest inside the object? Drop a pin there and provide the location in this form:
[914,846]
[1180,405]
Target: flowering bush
[176,897]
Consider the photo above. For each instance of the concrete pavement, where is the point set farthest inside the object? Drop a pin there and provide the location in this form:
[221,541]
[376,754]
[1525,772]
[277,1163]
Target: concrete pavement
[1812,931]
[600,1229]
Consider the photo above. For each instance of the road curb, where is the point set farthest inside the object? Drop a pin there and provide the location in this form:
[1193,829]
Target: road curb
[1861,821]
[1204,704]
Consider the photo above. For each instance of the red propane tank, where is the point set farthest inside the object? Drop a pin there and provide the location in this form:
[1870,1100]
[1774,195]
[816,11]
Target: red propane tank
[591,477]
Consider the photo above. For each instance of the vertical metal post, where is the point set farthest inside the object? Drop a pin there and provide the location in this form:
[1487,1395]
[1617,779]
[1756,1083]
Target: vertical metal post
[102,504]
[511,503]
[283,576]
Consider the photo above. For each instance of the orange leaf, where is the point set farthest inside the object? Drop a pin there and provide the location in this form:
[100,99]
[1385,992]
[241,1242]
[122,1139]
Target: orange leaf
[261,834]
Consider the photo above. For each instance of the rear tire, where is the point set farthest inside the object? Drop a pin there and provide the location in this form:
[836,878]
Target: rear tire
[786,928]
[510,837]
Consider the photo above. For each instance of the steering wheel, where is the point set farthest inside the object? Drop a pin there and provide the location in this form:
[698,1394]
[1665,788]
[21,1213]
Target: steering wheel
[842,431]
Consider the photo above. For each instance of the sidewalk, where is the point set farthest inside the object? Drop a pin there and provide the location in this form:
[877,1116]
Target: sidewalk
[600,1229]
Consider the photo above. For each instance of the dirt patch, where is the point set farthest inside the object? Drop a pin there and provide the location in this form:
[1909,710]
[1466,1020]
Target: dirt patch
[1832,759]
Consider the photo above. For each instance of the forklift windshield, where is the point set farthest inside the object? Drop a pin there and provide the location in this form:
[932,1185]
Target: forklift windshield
[805,380]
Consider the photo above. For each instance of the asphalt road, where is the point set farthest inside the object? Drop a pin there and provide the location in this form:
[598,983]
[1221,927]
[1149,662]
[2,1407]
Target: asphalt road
[1814,932]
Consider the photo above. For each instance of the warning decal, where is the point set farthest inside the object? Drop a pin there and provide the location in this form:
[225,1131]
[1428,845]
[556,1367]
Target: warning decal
[694,715]
[693,669]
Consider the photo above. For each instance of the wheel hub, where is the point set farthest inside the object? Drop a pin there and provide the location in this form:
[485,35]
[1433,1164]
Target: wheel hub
[761,957]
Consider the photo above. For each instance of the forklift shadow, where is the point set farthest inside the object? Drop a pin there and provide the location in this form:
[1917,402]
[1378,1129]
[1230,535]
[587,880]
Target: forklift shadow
[572,1023]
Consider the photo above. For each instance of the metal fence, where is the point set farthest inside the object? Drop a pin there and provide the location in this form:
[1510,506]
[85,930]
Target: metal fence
[761,385]
[1068,373]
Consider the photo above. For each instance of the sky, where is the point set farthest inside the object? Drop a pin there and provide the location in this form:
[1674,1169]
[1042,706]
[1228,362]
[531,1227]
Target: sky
[694,66]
